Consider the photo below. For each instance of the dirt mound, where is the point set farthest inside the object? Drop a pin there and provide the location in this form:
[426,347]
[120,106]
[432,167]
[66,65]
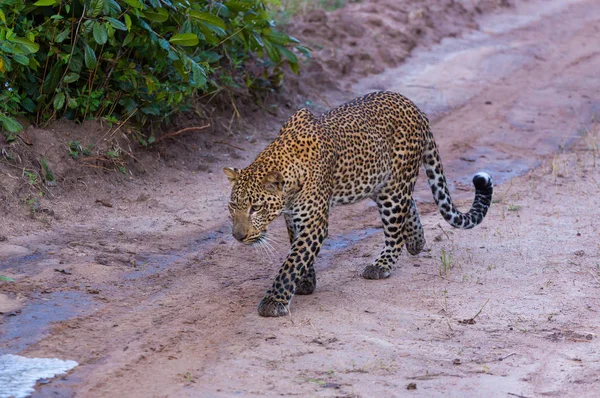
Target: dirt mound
[359,39]
[368,37]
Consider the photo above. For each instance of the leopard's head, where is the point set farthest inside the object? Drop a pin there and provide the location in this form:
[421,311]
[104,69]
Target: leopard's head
[256,200]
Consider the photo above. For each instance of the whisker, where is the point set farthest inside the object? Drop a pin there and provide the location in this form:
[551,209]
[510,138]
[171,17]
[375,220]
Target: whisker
[259,244]
[273,239]
[258,248]
[271,249]
[268,248]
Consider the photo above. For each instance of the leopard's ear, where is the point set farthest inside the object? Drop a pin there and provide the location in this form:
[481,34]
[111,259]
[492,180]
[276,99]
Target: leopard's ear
[273,182]
[232,174]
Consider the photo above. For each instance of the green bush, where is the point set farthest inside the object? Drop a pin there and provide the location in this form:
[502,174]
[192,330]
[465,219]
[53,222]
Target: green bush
[131,59]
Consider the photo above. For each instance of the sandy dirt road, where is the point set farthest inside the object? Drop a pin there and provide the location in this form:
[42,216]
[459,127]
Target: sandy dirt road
[153,298]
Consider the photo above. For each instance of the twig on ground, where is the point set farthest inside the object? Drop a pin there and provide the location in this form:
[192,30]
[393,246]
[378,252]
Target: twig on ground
[516,395]
[445,233]
[507,356]
[176,133]
[228,144]
[481,309]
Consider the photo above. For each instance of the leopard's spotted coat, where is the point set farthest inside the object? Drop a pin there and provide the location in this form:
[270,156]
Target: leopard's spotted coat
[370,147]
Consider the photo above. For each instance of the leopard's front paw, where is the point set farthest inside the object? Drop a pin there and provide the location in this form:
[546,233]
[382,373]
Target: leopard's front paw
[271,307]
[376,272]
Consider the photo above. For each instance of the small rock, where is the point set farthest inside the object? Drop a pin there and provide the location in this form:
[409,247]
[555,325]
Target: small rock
[63,271]
[104,202]
[411,386]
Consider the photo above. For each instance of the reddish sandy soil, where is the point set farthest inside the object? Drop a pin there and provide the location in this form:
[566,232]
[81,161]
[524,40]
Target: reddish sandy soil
[154,298]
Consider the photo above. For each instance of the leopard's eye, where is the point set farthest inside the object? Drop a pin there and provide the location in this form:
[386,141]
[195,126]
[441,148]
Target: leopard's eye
[255,208]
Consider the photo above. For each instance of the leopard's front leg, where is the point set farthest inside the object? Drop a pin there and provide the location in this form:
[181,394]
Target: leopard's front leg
[297,274]
[307,283]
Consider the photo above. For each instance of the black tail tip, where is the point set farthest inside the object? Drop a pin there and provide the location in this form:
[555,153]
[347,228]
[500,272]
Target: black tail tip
[483,182]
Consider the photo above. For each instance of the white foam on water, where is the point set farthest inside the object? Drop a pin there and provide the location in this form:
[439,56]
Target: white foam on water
[18,375]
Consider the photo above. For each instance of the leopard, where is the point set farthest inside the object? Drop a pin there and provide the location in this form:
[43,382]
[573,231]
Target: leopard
[370,147]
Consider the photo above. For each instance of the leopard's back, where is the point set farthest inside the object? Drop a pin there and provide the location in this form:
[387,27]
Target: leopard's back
[377,137]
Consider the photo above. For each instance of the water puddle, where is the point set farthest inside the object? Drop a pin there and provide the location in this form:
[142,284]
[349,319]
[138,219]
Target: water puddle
[34,321]
[19,263]
[18,375]
[345,241]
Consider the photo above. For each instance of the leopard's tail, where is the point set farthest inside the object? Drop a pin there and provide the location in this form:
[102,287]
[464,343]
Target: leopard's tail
[439,188]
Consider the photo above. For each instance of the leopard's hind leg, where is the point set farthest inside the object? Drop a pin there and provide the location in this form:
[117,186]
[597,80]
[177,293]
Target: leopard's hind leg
[415,238]
[393,202]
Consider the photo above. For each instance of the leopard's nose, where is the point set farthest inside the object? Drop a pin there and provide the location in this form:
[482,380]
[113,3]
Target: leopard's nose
[239,234]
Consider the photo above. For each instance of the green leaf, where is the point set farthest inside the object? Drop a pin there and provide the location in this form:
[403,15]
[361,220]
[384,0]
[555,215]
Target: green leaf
[184,39]
[72,103]
[198,75]
[272,52]
[278,37]
[304,51]
[114,7]
[28,105]
[6,278]
[134,3]
[22,59]
[10,124]
[96,7]
[239,6]
[210,56]
[160,15]
[43,3]
[118,24]
[164,44]
[288,54]
[52,78]
[100,33]
[128,22]
[71,77]
[208,18]
[2,17]
[59,101]
[90,57]
[62,35]
[76,62]
[257,38]
[222,9]
[27,44]
[130,36]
